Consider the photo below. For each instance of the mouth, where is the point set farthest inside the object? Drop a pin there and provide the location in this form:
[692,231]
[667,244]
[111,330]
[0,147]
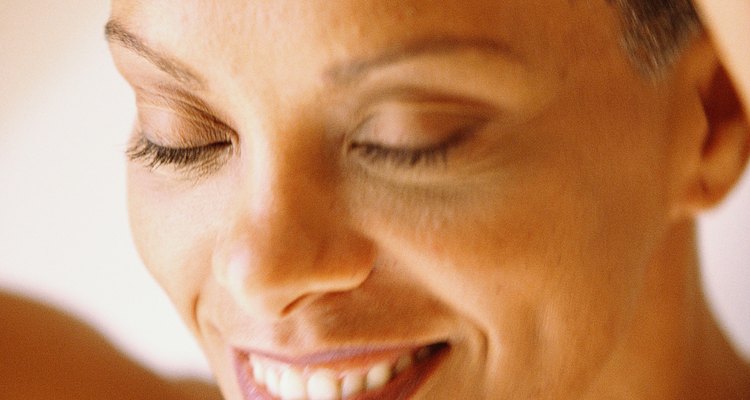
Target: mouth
[351,375]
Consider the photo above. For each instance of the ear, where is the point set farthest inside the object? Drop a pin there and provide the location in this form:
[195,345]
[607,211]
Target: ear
[719,151]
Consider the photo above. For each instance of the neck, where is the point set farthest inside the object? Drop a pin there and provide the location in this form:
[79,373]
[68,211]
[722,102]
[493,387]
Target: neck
[674,349]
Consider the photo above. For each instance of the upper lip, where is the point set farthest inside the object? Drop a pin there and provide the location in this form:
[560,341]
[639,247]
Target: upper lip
[347,355]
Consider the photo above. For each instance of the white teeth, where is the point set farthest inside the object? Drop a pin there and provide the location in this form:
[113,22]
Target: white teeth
[403,363]
[272,381]
[352,385]
[292,385]
[323,385]
[259,372]
[284,382]
[379,375]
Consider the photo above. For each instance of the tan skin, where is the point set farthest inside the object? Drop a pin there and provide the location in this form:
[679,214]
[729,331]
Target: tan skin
[47,354]
[551,247]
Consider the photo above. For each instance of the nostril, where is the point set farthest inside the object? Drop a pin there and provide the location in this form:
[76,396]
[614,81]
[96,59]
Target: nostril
[294,304]
[264,291]
[275,278]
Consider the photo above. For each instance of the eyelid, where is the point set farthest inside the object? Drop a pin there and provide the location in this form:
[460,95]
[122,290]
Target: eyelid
[430,115]
[179,120]
[410,157]
[181,103]
[373,144]
[171,130]
[416,126]
[419,98]
[193,161]
[179,134]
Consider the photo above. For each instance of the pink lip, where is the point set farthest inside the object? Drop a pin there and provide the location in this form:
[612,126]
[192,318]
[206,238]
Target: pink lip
[352,356]
[401,387]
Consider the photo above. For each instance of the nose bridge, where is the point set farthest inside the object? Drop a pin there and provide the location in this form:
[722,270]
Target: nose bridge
[283,203]
[287,238]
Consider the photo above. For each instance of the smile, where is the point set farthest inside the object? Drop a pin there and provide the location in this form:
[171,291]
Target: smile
[361,375]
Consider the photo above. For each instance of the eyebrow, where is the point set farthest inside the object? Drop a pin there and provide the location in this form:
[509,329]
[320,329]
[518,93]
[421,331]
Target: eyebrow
[341,74]
[350,72]
[115,32]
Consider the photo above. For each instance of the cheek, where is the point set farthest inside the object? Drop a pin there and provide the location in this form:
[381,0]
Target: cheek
[547,255]
[173,234]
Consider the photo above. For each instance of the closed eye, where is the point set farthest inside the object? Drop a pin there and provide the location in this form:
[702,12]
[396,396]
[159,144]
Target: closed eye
[374,153]
[201,159]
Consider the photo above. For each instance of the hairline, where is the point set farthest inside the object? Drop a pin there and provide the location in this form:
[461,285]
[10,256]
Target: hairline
[655,33]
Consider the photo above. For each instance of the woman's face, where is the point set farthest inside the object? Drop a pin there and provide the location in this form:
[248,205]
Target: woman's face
[449,199]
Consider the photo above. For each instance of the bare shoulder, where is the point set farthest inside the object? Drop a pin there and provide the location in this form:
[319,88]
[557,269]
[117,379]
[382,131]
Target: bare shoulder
[47,353]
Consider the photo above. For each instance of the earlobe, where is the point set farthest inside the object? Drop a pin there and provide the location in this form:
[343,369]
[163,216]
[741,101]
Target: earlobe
[725,143]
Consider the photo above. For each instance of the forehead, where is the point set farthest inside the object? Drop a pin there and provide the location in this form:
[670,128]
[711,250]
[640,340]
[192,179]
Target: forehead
[240,32]
[279,49]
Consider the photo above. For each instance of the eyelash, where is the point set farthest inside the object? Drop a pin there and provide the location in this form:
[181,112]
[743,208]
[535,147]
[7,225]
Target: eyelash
[375,153]
[410,158]
[200,158]
[203,159]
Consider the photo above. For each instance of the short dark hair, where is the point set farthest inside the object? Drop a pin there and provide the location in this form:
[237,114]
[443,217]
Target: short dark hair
[656,32]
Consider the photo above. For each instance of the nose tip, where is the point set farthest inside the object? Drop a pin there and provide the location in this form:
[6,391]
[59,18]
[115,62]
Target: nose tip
[288,233]
[271,282]
[237,278]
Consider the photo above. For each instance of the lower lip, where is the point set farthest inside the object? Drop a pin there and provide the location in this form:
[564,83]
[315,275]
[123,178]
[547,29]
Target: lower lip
[402,387]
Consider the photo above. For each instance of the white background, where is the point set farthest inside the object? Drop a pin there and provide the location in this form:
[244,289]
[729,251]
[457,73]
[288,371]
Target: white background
[64,120]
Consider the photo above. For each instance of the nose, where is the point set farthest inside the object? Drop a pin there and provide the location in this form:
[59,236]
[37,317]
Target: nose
[288,240]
